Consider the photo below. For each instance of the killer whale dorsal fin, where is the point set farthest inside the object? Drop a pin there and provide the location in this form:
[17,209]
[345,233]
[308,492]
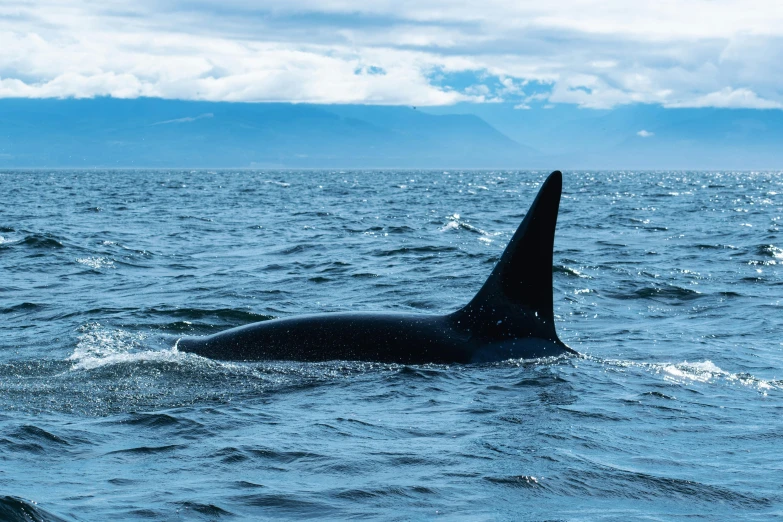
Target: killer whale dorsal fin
[522,280]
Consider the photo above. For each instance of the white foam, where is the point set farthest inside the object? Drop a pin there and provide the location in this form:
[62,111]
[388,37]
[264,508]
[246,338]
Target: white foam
[707,372]
[278,183]
[96,262]
[704,371]
[451,225]
[455,223]
[90,363]
[99,346]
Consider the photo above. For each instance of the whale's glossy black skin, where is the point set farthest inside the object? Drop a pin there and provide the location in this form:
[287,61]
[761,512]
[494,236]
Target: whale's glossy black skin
[510,317]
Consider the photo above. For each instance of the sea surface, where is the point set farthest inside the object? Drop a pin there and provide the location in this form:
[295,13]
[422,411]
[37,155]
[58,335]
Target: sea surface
[669,284]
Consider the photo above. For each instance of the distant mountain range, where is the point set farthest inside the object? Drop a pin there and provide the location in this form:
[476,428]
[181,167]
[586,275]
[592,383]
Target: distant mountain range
[147,132]
[641,136]
[106,132]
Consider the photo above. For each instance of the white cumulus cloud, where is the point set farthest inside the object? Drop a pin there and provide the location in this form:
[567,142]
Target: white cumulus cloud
[645,134]
[597,54]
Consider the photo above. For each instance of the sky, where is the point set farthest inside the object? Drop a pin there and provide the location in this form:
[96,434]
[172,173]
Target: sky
[426,53]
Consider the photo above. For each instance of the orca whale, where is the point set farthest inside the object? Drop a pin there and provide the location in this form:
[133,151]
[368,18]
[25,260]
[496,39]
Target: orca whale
[510,317]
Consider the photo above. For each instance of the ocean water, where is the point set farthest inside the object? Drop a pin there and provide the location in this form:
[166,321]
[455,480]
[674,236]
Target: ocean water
[670,285]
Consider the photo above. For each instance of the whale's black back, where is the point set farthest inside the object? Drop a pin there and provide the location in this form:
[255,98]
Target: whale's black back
[510,317]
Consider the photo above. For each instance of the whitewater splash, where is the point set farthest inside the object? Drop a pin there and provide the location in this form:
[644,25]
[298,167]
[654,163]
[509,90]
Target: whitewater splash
[456,223]
[706,372]
[99,346]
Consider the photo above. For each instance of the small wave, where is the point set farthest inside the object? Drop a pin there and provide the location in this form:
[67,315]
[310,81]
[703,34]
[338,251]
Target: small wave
[223,315]
[562,269]
[770,251]
[122,482]
[22,307]
[768,262]
[96,263]
[286,504]
[364,275]
[278,183]
[698,372]
[705,246]
[707,371]
[41,241]
[416,250]
[666,292]
[420,372]
[455,223]
[197,218]
[147,450]
[232,454]
[209,510]
[296,249]
[244,484]
[451,225]
[606,481]
[660,395]
[356,494]
[399,229]
[15,509]
[34,433]
[163,421]
[516,481]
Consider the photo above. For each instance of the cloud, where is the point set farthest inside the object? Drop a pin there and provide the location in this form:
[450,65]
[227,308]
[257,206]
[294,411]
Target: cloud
[585,52]
[645,134]
[731,99]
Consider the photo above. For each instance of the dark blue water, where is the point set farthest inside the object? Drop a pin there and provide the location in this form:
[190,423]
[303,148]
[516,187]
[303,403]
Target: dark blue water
[669,283]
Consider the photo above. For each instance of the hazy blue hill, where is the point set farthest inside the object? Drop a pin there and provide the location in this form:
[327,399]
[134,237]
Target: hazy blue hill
[700,138]
[708,138]
[154,132]
[106,132]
